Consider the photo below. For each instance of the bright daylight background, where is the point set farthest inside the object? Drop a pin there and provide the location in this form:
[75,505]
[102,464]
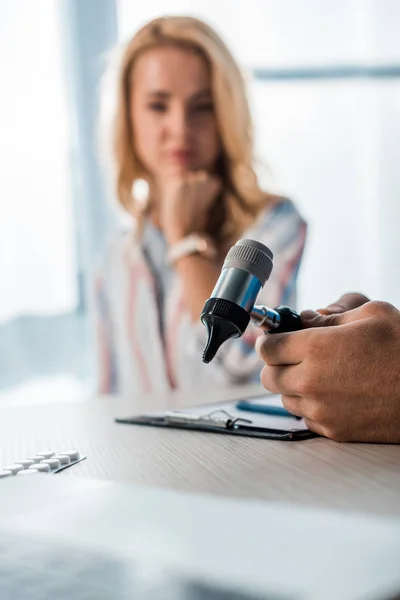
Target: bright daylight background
[324,79]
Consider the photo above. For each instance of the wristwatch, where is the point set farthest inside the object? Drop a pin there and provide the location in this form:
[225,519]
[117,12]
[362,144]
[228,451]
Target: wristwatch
[195,243]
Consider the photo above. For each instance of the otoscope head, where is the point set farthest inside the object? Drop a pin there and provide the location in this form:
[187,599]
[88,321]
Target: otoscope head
[226,313]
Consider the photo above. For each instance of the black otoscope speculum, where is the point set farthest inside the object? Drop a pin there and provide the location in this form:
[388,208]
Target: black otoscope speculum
[228,311]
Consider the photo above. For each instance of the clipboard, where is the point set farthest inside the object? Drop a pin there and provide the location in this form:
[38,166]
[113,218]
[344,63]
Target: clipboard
[226,418]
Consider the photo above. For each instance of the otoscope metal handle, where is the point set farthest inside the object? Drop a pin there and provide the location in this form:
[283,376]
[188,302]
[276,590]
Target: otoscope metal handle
[278,320]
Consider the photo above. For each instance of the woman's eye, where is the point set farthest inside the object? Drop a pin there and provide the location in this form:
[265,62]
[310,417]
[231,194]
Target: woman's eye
[158,106]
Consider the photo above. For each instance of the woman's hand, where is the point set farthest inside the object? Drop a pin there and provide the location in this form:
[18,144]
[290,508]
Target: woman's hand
[185,202]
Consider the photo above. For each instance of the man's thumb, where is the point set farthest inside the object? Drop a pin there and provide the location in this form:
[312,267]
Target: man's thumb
[310,318]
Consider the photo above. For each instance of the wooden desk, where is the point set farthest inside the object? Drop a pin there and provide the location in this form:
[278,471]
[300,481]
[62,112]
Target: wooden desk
[316,472]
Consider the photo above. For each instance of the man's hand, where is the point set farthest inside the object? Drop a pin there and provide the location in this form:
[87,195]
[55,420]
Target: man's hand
[185,204]
[346,302]
[342,373]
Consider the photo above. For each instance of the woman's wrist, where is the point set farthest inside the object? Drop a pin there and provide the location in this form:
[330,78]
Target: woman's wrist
[192,244]
[174,237]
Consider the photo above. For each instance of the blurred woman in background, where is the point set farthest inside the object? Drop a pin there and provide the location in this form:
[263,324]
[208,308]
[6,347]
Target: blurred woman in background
[182,129]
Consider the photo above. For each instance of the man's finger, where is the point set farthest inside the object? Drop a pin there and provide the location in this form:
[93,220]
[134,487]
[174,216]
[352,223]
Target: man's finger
[281,348]
[281,379]
[332,309]
[297,406]
[315,427]
[293,404]
[310,318]
[346,302]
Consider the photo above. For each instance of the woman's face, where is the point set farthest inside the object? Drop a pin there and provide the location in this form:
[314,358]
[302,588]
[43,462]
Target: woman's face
[172,113]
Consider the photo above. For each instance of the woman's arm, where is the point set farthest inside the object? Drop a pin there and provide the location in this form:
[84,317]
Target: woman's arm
[184,205]
[198,275]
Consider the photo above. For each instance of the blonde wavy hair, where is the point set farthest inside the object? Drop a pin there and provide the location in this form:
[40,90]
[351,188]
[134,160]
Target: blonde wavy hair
[241,199]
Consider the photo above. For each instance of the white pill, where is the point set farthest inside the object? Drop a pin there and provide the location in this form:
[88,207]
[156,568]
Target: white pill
[47,454]
[36,459]
[73,454]
[63,458]
[25,462]
[52,462]
[41,467]
[28,472]
[5,473]
[14,468]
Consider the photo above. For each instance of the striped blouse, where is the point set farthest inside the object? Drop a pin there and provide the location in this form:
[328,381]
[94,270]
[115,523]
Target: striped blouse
[147,340]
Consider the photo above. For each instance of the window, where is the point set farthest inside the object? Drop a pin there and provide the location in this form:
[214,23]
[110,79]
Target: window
[38,261]
[51,210]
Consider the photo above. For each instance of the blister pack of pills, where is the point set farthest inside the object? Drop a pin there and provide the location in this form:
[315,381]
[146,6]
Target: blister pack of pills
[42,462]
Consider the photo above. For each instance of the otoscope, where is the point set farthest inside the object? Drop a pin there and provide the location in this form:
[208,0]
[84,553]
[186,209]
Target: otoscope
[227,313]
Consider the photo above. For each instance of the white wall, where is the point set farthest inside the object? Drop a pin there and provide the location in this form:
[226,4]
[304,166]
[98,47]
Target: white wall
[267,33]
[334,148]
